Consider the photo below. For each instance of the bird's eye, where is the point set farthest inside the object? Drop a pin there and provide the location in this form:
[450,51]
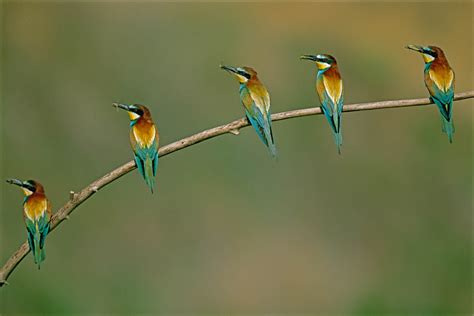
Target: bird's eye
[244,74]
[431,53]
[30,186]
[325,60]
[137,110]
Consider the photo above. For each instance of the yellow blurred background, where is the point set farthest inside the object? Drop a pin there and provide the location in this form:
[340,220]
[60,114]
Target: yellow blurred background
[383,229]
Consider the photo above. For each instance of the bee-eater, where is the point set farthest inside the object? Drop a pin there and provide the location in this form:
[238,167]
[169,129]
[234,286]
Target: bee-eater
[439,79]
[144,139]
[37,216]
[256,101]
[330,91]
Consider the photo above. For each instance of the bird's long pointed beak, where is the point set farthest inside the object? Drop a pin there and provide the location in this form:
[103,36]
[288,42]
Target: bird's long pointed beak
[309,57]
[121,106]
[229,68]
[415,48]
[16,182]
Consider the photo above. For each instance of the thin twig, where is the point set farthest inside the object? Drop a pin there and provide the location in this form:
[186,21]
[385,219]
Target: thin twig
[78,198]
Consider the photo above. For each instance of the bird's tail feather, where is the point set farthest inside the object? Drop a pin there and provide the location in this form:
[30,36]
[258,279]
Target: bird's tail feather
[269,138]
[272,147]
[338,140]
[448,127]
[335,124]
[38,252]
[148,173]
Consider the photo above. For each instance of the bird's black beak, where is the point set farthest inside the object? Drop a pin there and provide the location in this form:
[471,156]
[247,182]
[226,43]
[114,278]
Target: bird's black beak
[309,57]
[23,184]
[121,106]
[16,182]
[416,48]
[229,68]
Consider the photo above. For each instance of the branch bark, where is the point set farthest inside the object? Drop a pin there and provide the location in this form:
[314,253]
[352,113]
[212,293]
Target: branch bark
[76,199]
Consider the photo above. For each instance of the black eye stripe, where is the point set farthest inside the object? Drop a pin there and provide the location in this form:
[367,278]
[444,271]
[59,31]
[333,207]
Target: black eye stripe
[325,60]
[246,75]
[430,52]
[30,186]
[137,110]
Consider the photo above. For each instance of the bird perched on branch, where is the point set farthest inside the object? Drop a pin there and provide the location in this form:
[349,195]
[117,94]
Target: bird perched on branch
[37,216]
[439,79]
[256,101]
[330,91]
[144,139]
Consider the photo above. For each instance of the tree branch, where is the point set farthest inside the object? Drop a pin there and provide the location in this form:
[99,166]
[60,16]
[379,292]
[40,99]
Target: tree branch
[76,199]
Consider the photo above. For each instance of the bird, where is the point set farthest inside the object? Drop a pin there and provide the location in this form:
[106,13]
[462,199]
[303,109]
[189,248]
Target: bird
[439,80]
[256,101]
[330,91]
[144,139]
[37,216]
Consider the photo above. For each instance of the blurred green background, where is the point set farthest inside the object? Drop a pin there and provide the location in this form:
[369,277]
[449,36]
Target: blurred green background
[383,229]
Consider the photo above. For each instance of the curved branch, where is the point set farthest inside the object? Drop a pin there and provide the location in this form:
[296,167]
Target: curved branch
[77,199]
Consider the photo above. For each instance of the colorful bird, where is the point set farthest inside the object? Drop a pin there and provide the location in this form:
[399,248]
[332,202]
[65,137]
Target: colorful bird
[330,91]
[439,79]
[37,216]
[144,139]
[256,101]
